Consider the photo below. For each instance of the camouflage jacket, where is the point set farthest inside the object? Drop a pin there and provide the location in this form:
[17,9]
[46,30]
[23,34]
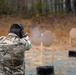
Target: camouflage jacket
[12,38]
[12,54]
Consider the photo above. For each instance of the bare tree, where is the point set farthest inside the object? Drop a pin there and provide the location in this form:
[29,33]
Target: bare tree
[53,5]
[37,6]
[72,6]
[64,5]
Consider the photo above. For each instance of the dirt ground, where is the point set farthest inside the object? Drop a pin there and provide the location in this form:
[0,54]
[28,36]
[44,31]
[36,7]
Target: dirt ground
[59,24]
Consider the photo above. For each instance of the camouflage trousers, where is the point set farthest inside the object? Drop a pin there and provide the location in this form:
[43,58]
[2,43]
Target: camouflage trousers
[8,69]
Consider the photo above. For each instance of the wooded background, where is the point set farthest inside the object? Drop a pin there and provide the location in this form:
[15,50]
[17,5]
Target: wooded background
[37,7]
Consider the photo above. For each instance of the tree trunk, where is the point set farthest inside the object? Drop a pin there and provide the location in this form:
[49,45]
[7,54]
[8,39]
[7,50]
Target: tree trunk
[64,5]
[72,6]
[53,5]
[68,5]
[61,5]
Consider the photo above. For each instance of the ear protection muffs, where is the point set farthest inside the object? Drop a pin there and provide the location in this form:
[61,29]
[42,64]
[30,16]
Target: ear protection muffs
[17,26]
[22,29]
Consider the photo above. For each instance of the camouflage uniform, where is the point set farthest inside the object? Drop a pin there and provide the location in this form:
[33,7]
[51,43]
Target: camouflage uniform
[12,55]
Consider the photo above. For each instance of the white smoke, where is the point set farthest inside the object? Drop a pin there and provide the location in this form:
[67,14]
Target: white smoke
[35,35]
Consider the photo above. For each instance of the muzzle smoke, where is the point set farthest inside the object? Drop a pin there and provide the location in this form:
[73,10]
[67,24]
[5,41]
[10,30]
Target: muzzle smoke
[35,35]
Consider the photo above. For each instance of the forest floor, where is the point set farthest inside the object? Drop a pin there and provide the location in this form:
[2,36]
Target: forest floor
[59,24]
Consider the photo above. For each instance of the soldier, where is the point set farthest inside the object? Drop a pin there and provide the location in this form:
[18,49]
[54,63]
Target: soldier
[12,48]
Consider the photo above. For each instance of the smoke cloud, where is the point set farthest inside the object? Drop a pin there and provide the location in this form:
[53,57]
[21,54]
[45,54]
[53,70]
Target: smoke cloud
[35,35]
